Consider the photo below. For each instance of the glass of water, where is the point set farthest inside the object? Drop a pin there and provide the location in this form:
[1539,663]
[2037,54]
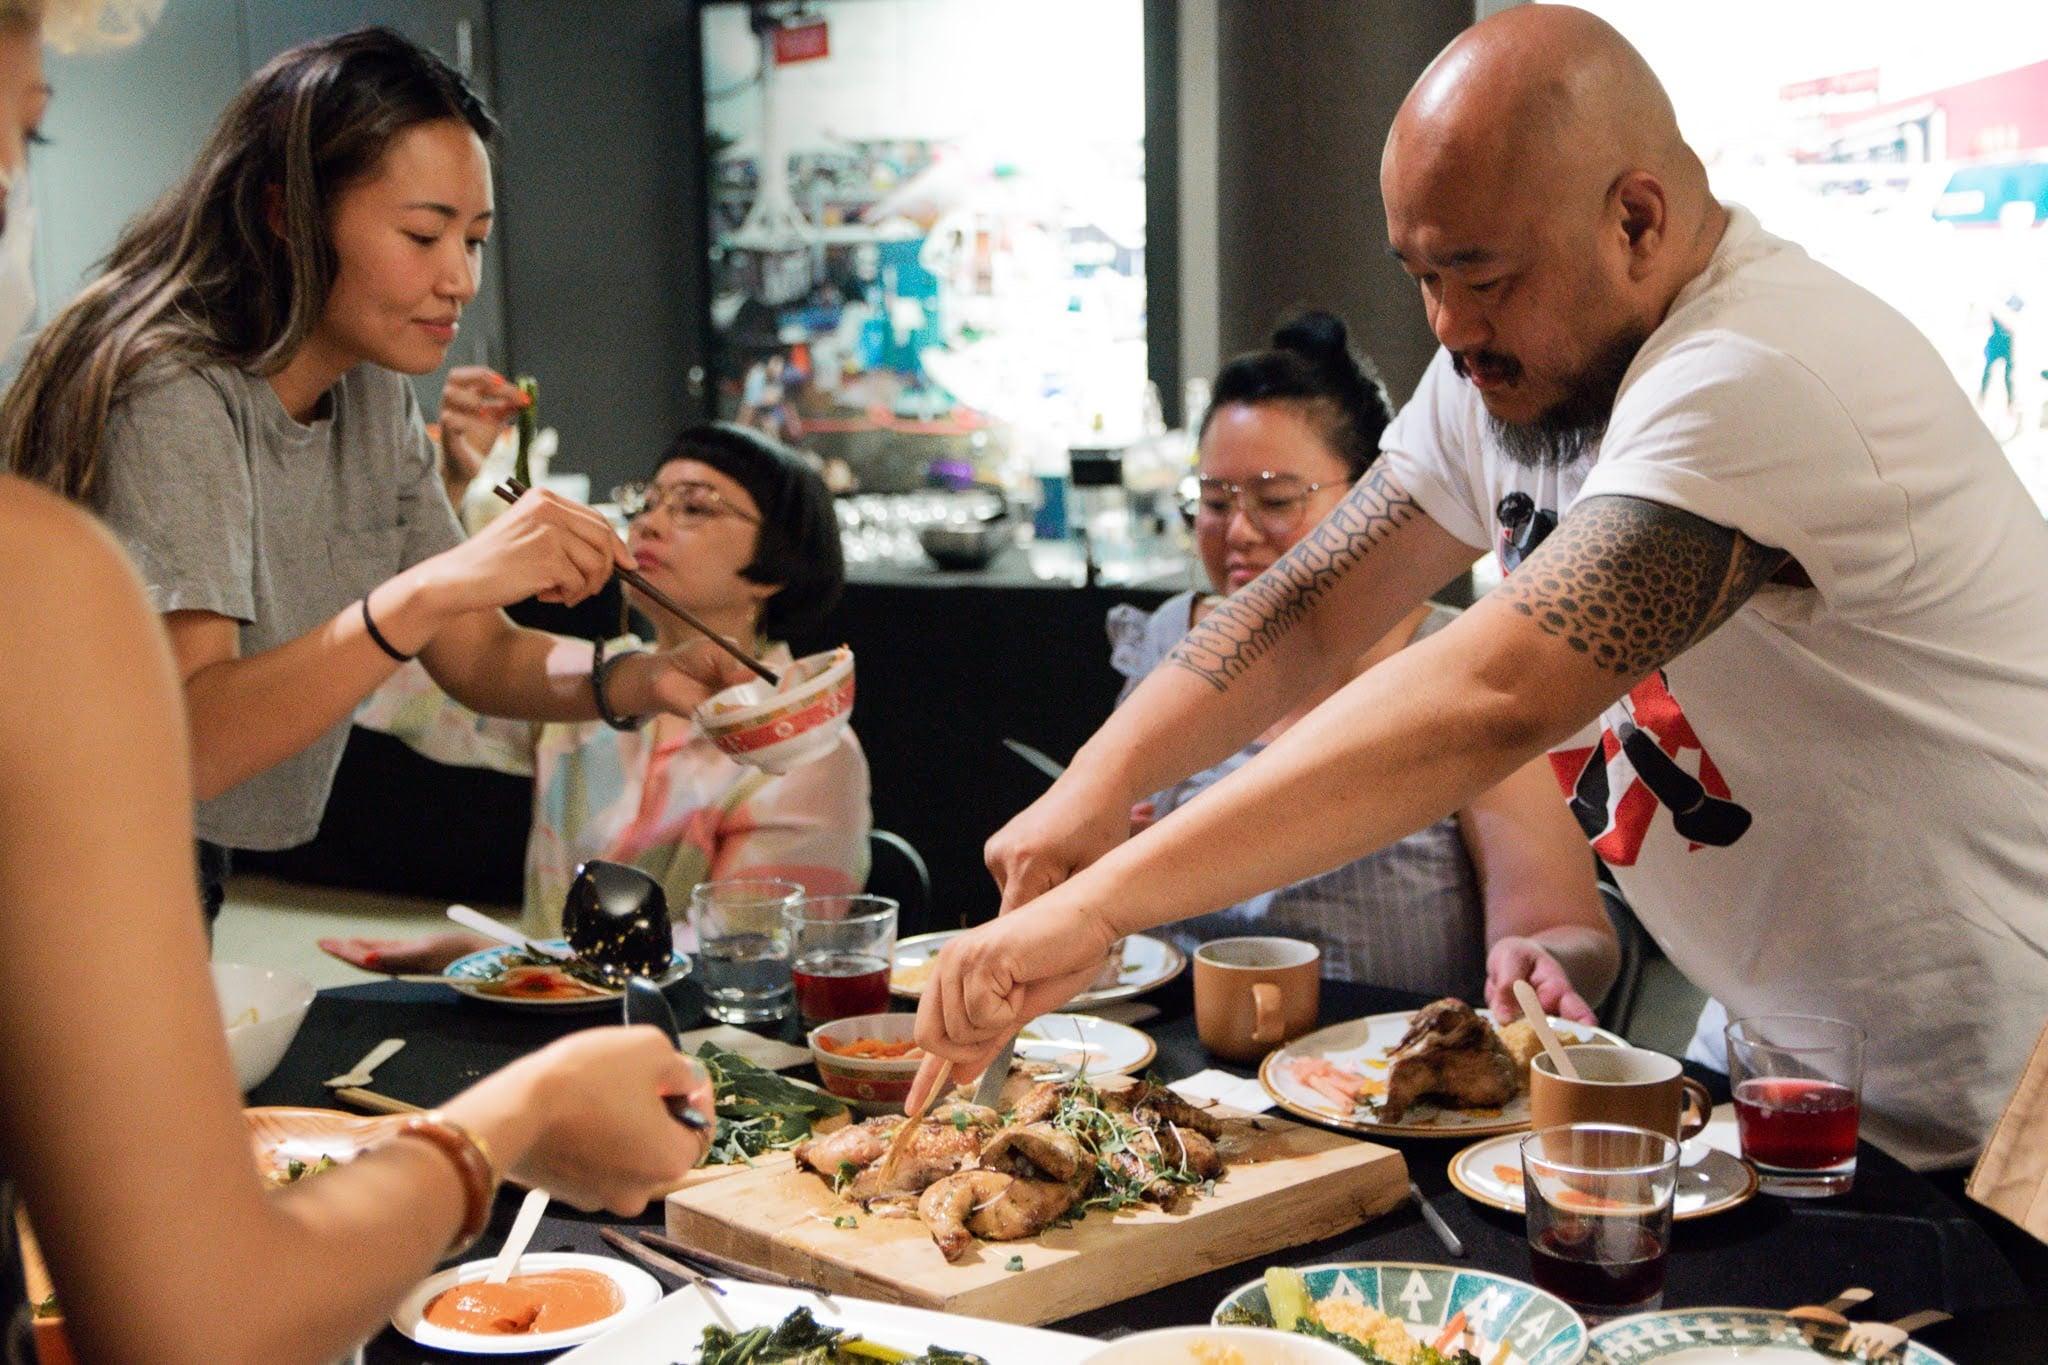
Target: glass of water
[743,947]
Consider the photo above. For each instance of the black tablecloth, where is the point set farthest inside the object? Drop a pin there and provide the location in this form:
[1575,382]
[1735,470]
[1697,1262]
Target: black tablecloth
[1894,1232]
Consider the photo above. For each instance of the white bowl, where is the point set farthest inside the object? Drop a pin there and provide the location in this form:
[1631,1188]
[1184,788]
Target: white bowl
[638,1290]
[262,1009]
[779,729]
[1253,1346]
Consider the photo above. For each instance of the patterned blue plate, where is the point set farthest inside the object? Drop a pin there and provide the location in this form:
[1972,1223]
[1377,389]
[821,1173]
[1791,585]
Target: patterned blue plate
[1711,1336]
[1537,1328]
[489,964]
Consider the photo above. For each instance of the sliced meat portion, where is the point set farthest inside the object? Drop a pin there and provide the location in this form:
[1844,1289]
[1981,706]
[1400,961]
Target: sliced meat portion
[857,1145]
[990,1205]
[1039,1103]
[937,1149]
[1452,1055]
[1153,1105]
[1036,1149]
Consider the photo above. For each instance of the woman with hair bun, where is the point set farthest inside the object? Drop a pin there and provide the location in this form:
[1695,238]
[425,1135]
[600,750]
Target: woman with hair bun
[1499,891]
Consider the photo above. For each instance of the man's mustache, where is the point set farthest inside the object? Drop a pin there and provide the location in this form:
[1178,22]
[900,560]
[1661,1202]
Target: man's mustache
[1493,364]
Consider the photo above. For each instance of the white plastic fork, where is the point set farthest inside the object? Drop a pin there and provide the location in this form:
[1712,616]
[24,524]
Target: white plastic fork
[1876,1340]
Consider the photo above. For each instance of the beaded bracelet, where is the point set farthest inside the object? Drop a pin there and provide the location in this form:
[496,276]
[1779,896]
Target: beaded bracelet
[472,1163]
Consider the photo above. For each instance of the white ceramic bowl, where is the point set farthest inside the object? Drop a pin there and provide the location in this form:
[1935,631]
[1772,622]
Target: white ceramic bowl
[1253,1346]
[873,1080]
[777,730]
[638,1290]
[262,1009]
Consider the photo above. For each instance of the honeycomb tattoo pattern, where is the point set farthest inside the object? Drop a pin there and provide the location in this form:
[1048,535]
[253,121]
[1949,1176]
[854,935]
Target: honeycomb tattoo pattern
[1245,627]
[1631,584]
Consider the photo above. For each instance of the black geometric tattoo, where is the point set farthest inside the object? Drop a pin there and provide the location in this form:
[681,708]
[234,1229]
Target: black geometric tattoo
[1251,621]
[1631,584]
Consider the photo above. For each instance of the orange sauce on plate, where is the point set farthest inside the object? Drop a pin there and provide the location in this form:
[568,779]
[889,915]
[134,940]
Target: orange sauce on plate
[539,983]
[544,1301]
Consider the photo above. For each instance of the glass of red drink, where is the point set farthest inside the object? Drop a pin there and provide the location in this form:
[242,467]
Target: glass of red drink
[1599,1206]
[1798,1088]
[841,948]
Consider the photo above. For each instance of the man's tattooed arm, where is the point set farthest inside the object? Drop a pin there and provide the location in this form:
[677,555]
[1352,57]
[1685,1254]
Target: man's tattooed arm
[1631,584]
[1253,620]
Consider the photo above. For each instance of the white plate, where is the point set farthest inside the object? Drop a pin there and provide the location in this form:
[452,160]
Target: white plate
[489,963]
[671,1330]
[640,1289]
[1149,963]
[1720,1336]
[1712,1176]
[1365,1044]
[1081,1042]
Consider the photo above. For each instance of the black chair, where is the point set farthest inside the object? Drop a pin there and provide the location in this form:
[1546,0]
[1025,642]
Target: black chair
[1618,1010]
[896,870]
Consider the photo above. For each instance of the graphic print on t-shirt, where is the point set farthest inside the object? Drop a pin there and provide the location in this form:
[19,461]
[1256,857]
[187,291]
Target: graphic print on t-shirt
[1647,757]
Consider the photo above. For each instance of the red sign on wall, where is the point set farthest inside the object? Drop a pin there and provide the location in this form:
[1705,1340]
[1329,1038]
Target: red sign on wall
[801,43]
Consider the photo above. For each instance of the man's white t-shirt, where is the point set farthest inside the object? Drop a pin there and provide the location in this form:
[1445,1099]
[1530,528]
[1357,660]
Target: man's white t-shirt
[1845,807]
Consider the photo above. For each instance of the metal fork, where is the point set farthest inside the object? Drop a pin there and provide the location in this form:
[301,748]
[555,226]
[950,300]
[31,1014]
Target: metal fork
[1876,1340]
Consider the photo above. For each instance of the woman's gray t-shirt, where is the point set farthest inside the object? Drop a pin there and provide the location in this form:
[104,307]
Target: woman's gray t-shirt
[228,505]
[1408,916]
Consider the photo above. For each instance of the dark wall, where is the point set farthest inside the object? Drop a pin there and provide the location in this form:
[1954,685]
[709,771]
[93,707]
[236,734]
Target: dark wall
[597,184]
[1306,92]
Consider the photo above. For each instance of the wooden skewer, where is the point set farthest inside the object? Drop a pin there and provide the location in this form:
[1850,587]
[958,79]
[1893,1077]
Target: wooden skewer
[510,491]
[731,1269]
[1532,1010]
[650,1256]
[374,1102]
[903,1134]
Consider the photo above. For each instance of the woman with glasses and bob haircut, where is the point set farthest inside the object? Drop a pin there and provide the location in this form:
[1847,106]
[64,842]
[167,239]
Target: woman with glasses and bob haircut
[230,396]
[1500,891]
[741,531]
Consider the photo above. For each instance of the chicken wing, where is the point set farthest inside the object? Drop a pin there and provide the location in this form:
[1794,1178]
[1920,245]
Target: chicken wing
[1451,1054]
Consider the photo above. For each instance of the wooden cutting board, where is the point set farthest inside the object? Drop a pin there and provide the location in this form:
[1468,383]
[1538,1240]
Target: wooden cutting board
[1294,1184]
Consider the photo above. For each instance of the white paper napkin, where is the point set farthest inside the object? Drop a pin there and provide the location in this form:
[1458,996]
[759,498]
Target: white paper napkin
[1226,1089]
[772,1053]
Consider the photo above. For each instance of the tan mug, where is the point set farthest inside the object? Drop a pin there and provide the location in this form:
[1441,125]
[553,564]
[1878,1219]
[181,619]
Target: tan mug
[1628,1085]
[1253,994]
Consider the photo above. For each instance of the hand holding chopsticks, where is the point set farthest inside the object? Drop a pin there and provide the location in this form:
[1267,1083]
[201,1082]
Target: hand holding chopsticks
[512,490]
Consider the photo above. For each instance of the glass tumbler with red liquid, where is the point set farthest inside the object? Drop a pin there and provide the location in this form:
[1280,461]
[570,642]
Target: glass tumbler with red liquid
[1599,1208]
[1798,1080]
[841,948]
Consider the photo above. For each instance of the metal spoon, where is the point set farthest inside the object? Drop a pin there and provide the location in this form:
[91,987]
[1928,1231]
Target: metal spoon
[645,1004]
[505,933]
[616,919]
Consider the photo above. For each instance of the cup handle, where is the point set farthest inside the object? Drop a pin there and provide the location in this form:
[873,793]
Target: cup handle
[1268,1023]
[1697,1108]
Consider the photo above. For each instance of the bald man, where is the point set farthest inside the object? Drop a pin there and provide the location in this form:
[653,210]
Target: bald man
[1775,608]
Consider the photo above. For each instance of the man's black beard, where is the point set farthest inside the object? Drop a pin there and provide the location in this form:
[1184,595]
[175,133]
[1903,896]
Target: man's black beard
[1570,429]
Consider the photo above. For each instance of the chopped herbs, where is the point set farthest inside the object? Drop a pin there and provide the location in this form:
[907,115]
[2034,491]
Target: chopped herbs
[959,1120]
[1014,1263]
[759,1111]
[845,1220]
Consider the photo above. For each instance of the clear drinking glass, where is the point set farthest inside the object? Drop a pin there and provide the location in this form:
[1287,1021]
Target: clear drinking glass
[841,948]
[743,947]
[1599,1204]
[1798,1095]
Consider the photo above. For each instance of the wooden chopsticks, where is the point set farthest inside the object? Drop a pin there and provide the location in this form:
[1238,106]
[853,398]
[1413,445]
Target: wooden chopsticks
[510,491]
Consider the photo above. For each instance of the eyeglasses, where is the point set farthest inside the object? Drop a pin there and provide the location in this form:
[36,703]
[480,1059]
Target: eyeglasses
[1271,502]
[688,500]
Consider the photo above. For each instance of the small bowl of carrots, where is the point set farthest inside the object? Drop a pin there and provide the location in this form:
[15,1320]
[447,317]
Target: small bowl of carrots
[871,1058]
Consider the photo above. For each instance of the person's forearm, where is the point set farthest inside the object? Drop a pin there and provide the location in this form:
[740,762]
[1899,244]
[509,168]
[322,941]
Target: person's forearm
[1400,747]
[1293,628]
[249,714]
[498,669]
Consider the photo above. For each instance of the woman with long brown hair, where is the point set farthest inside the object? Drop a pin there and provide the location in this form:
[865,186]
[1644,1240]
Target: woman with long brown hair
[119,1121]
[230,397]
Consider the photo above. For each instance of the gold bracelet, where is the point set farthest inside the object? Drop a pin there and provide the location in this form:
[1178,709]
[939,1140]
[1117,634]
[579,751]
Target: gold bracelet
[472,1162]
